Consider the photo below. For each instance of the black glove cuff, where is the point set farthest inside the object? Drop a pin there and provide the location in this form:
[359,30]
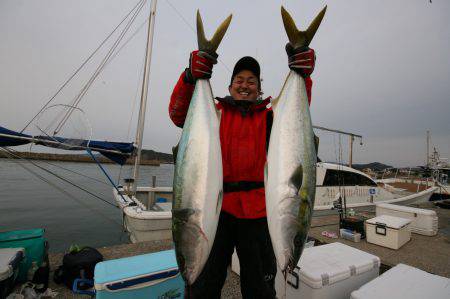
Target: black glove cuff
[291,51]
[187,78]
[211,56]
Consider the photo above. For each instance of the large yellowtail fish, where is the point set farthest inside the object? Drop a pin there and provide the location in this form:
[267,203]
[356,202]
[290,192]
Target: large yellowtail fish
[198,175]
[290,177]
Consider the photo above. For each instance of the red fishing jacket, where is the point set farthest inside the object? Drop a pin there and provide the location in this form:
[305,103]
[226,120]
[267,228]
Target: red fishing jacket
[244,136]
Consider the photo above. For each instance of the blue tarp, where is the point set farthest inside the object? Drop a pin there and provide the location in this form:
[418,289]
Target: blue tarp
[124,149]
[11,141]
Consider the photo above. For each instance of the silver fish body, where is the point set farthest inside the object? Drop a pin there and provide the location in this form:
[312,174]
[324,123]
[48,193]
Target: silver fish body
[198,178]
[291,172]
[290,175]
[197,184]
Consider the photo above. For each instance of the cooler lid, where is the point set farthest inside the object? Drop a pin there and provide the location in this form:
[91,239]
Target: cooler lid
[393,207]
[390,221]
[403,281]
[327,264]
[9,258]
[135,267]
[21,234]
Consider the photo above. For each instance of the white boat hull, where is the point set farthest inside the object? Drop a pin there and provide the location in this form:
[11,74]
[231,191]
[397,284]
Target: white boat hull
[143,224]
[371,201]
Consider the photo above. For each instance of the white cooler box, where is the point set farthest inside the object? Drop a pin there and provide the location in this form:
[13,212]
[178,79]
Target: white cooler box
[10,259]
[404,281]
[424,222]
[329,271]
[388,231]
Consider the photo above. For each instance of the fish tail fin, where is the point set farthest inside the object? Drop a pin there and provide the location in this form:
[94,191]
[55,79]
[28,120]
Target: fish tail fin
[210,46]
[301,38]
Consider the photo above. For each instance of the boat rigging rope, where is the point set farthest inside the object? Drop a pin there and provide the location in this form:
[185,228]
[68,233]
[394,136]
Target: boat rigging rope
[104,61]
[75,172]
[11,153]
[80,67]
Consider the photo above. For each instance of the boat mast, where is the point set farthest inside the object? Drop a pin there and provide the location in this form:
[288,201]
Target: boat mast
[428,149]
[144,91]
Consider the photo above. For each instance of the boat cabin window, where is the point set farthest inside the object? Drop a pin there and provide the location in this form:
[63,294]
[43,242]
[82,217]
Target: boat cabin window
[346,178]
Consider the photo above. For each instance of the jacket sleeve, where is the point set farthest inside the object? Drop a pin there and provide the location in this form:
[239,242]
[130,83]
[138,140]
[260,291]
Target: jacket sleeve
[308,85]
[179,101]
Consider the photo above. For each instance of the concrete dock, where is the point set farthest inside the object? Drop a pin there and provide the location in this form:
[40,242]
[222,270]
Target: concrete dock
[431,254]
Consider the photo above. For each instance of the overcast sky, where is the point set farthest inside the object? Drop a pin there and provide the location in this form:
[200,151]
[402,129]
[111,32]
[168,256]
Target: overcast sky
[382,70]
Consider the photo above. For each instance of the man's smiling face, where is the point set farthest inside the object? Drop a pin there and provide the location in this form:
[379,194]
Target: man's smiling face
[244,86]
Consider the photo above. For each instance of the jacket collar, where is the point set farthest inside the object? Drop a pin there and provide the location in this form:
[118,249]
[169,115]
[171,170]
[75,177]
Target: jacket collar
[244,106]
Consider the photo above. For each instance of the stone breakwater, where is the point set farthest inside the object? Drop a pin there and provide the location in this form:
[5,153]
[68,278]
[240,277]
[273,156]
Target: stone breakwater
[78,158]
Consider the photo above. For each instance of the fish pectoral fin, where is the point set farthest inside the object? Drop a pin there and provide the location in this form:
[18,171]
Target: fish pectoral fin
[266,173]
[219,201]
[183,214]
[210,46]
[297,177]
[296,37]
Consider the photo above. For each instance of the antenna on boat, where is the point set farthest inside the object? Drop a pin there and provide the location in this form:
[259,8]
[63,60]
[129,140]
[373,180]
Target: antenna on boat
[144,92]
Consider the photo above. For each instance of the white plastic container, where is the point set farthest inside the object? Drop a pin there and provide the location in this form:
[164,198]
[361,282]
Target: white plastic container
[329,271]
[388,231]
[350,235]
[424,222]
[404,281]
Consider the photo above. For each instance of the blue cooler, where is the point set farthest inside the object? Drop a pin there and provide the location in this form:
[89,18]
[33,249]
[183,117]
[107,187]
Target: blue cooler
[150,276]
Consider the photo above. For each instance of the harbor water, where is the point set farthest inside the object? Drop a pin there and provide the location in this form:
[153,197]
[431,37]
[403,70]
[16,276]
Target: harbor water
[33,198]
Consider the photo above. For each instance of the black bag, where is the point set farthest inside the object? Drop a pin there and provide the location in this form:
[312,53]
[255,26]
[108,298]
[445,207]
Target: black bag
[41,276]
[80,264]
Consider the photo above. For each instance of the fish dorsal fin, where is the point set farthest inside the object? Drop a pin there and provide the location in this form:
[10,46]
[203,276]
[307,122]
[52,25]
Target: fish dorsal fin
[300,38]
[210,46]
[274,103]
[219,115]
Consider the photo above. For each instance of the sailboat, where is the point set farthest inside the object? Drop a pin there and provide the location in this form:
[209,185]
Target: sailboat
[118,152]
[146,210]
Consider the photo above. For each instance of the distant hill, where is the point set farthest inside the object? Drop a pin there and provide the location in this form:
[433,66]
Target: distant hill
[152,155]
[376,166]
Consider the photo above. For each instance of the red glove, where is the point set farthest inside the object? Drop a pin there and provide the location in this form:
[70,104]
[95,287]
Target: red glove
[301,60]
[200,66]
